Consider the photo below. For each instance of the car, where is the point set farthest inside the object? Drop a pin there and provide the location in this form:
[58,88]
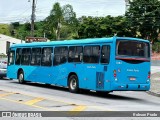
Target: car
[3,67]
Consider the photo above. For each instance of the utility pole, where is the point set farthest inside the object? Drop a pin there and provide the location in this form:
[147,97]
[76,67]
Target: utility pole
[127,5]
[33,18]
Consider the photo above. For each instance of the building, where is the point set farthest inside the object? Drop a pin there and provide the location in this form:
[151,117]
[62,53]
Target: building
[6,42]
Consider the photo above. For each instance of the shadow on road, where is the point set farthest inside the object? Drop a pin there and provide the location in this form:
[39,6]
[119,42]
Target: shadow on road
[4,78]
[82,92]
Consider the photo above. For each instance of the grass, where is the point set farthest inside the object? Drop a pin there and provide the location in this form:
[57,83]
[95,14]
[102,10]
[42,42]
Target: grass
[4,29]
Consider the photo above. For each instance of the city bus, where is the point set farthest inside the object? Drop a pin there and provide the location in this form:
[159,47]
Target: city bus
[97,64]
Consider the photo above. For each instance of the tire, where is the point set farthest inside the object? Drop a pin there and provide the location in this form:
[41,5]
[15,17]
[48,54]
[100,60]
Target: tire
[21,77]
[73,84]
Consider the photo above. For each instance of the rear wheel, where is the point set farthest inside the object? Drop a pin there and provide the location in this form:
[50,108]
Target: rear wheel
[73,84]
[21,77]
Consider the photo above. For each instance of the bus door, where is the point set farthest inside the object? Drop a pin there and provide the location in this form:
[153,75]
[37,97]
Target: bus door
[46,70]
[96,67]
[59,66]
[11,61]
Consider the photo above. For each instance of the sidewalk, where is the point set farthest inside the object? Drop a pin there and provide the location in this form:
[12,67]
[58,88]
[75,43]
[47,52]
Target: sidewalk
[155,84]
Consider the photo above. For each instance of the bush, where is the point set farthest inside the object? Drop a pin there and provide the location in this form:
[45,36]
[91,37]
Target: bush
[156,47]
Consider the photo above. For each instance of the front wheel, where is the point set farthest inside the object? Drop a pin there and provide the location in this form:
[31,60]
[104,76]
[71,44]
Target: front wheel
[21,77]
[73,84]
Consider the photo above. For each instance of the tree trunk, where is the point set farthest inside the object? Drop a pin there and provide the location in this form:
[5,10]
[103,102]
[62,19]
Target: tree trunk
[58,30]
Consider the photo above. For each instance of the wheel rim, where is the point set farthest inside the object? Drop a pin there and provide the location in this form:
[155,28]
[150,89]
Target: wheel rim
[21,77]
[73,84]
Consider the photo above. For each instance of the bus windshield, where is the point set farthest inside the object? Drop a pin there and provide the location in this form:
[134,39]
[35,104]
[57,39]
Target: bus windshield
[132,50]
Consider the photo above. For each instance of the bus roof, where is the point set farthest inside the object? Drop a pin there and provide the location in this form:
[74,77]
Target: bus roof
[74,42]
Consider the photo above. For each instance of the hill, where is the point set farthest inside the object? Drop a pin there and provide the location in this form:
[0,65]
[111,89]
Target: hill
[4,29]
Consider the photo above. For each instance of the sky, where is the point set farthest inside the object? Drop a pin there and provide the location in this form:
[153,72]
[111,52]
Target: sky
[20,10]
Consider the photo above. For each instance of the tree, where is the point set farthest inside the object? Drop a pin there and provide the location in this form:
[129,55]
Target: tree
[58,17]
[92,27]
[143,18]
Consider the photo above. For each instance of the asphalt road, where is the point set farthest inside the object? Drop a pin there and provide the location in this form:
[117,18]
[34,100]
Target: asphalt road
[40,97]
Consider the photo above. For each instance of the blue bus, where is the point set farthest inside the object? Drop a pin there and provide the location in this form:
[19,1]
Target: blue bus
[99,64]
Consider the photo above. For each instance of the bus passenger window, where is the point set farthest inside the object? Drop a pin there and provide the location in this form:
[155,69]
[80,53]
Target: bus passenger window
[75,54]
[36,56]
[105,54]
[91,54]
[47,56]
[60,55]
[25,56]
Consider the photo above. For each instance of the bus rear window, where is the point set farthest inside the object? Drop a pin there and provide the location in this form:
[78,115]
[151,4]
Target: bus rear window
[132,48]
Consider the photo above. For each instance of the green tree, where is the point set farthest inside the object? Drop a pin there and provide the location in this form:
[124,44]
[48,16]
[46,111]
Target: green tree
[60,17]
[143,17]
[92,27]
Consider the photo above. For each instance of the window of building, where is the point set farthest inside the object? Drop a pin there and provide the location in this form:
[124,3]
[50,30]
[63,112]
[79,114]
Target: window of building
[60,55]
[91,54]
[47,56]
[36,56]
[18,56]
[25,57]
[105,54]
[75,54]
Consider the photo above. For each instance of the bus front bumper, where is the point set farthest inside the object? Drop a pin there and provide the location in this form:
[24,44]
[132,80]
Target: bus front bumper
[130,87]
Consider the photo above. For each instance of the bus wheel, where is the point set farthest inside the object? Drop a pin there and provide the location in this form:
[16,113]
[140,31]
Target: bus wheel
[21,77]
[73,84]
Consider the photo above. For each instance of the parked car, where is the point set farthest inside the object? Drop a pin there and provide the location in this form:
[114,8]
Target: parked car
[3,67]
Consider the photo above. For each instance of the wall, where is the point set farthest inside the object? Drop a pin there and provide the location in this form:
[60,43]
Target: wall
[3,43]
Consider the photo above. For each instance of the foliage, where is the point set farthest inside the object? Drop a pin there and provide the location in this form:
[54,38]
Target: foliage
[59,18]
[143,18]
[4,29]
[156,47]
[92,27]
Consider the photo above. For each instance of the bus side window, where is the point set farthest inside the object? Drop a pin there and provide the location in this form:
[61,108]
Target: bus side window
[60,55]
[36,56]
[75,54]
[47,56]
[91,54]
[25,56]
[105,54]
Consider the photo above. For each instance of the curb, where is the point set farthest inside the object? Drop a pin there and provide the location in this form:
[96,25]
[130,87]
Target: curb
[153,93]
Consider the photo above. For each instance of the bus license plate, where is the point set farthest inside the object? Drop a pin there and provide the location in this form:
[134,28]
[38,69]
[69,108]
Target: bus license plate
[132,78]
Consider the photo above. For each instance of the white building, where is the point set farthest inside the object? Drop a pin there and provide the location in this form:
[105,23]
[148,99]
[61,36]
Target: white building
[6,42]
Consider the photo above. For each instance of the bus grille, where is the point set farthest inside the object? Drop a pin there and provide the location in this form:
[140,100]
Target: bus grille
[99,80]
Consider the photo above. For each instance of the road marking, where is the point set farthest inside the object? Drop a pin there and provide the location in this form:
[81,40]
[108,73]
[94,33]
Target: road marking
[77,109]
[33,101]
[5,94]
[25,104]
